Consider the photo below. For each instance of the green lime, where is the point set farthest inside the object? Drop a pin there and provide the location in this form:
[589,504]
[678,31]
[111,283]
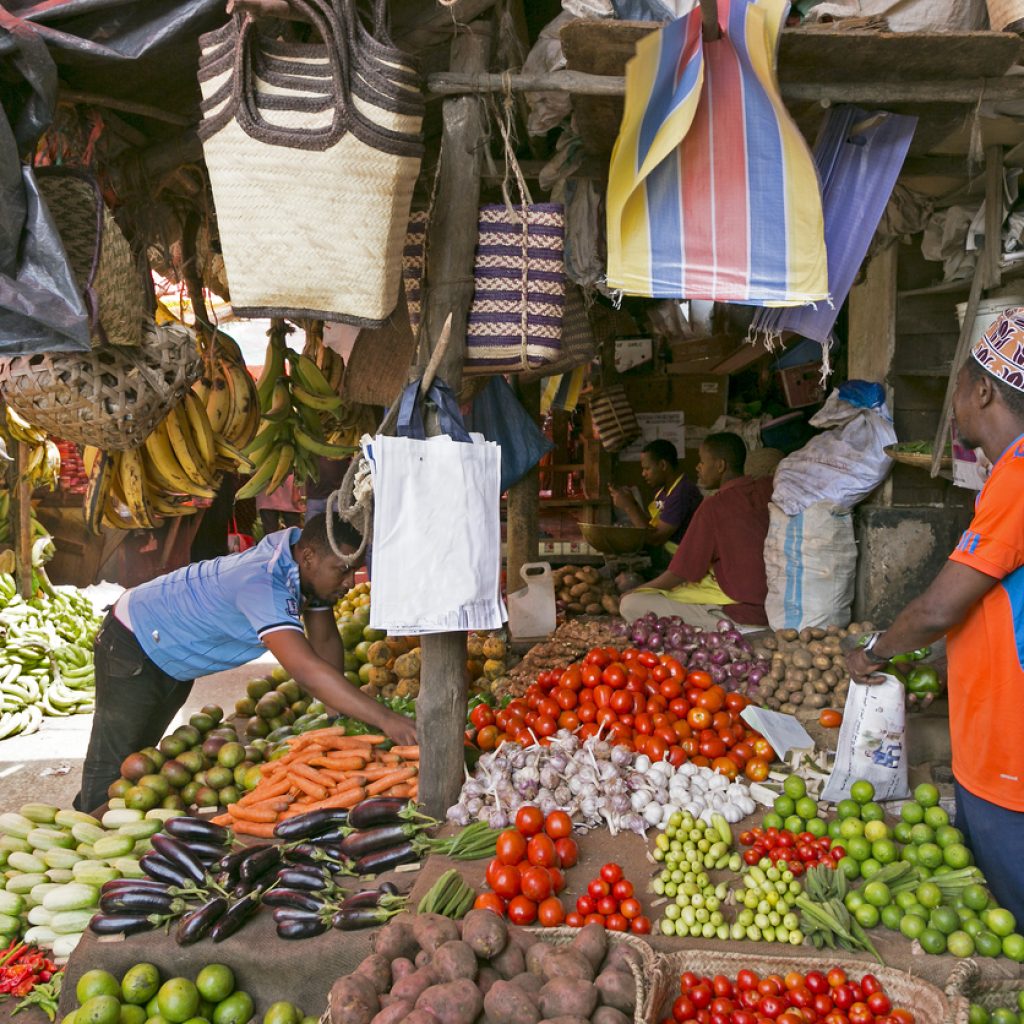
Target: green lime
[806,807]
[916,910]
[215,982]
[956,856]
[891,916]
[905,899]
[866,915]
[858,848]
[875,830]
[966,914]
[884,851]
[872,812]
[960,944]
[909,854]
[936,817]
[854,899]
[1004,1015]
[140,984]
[236,1009]
[847,809]
[929,894]
[794,787]
[850,827]
[834,828]
[877,894]
[178,1000]
[1013,947]
[817,827]
[944,919]
[771,820]
[784,806]
[911,926]
[912,812]
[1020,999]
[96,983]
[200,1019]
[870,867]
[152,1010]
[926,795]
[922,833]
[310,1020]
[999,921]
[932,941]
[132,1014]
[285,1013]
[849,867]
[947,835]
[902,831]
[862,791]
[99,1010]
[978,1015]
[974,927]
[795,824]
[988,944]
[156,1019]
[929,855]
[205,1009]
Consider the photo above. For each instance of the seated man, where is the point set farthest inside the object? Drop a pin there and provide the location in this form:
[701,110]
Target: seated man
[719,566]
[675,501]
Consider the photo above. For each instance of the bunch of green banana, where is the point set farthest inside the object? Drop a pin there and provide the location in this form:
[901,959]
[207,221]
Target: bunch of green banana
[42,466]
[296,400]
[6,537]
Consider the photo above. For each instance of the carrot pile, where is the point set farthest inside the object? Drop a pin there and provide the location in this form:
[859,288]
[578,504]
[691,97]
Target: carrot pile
[323,768]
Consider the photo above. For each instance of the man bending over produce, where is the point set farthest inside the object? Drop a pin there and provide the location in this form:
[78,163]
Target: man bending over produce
[719,565]
[675,501]
[220,614]
[977,600]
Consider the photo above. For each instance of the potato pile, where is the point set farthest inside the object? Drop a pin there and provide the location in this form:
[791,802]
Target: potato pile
[808,668]
[428,969]
[583,591]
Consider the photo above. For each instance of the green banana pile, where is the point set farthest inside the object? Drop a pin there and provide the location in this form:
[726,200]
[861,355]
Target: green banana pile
[450,896]
[300,405]
[46,658]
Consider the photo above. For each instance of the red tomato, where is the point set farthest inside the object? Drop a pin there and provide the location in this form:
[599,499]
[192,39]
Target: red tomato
[510,847]
[597,656]
[771,1006]
[594,919]
[535,884]
[622,889]
[598,888]
[557,880]
[657,748]
[565,698]
[550,913]
[869,983]
[506,881]
[836,977]
[670,689]
[770,986]
[817,982]
[573,920]
[860,1013]
[586,905]
[722,985]
[902,1016]
[558,825]
[490,901]
[640,925]
[587,711]
[822,1005]
[481,716]
[699,679]
[611,873]
[842,996]
[630,908]
[568,851]
[522,911]
[492,869]
[615,676]
[616,923]
[746,980]
[607,905]
[698,718]
[529,820]
[602,695]
[701,995]
[590,675]
[540,851]
[879,1004]
[621,702]
[647,659]
[683,1009]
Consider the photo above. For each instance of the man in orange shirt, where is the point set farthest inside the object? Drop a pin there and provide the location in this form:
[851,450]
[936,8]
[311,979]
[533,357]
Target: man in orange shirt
[977,599]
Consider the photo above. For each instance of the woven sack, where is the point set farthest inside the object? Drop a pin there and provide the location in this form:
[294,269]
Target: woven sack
[313,151]
[966,980]
[615,423]
[378,367]
[413,258]
[109,397]
[577,341]
[926,1001]
[98,254]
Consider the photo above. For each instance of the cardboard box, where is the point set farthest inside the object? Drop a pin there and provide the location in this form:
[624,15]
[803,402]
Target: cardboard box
[801,385]
[702,355]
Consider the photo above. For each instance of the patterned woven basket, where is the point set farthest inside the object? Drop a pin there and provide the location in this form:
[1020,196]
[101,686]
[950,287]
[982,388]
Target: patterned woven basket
[109,397]
[577,339]
[646,974]
[927,1002]
[615,423]
[413,256]
[98,253]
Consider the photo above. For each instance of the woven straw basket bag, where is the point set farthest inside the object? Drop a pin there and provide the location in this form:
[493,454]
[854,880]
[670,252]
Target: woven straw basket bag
[111,397]
[615,422]
[577,345]
[313,151]
[98,253]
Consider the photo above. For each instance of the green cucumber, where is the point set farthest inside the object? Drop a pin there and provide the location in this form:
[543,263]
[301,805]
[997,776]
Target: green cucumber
[25,883]
[41,814]
[40,915]
[93,872]
[68,819]
[141,829]
[60,875]
[26,862]
[87,832]
[113,846]
[73,896]
[116,817]
[16,825]
[11,903]
[58,857]
[48,838]
[71,922]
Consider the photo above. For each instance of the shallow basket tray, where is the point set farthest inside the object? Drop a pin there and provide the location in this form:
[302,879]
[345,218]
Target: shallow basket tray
[920,460]
[927,1002]
[613,540]
[646,975]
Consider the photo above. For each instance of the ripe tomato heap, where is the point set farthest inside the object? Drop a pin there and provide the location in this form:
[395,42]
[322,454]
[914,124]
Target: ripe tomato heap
[830,998]
[799,851]
[526,873]
[645,701]
[609,902]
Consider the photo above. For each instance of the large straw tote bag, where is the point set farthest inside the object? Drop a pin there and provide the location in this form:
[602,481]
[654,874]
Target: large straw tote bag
[98,254]
[1006,15]
[313,151]
[111,397]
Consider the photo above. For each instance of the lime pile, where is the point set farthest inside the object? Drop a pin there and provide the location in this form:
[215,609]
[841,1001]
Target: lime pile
[795,811]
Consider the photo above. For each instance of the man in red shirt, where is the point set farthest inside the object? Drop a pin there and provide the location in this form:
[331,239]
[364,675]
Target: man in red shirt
[977,600]
[718,568]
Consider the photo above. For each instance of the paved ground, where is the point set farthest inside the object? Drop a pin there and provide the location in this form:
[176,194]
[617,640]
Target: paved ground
[47,765]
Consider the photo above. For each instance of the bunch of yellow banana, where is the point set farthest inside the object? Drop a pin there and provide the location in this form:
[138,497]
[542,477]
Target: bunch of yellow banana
[299,403]
[228,394]
[42,465]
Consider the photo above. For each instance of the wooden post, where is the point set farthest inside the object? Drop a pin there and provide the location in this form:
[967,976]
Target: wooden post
[441,706]
[993,251]
[523,510]
[21,519]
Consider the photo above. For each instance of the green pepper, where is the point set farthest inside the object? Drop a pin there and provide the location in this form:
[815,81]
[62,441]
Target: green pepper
[923,679]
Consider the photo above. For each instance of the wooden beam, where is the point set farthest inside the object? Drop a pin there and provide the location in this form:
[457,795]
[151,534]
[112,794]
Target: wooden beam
[523,509]
[441,705]
[125,106]
[21,519]
[580,83]
[989,259]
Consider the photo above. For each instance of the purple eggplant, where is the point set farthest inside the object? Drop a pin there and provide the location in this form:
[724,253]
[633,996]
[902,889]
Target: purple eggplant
[381,810]
[313,879]
[122,924]
[360,917]
[158,867]
[305,927]
[196,924]
[293,899]
[234,917]
[206,853]
[380,838]
[379,861]
[259,862]
[331,837]
[127,901]
[137,885]
[175,851]
[228,866]
[197,830]
[312,823]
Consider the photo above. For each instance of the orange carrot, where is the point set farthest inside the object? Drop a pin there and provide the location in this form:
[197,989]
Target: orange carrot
[223,819]
[265,790]
[406,753]
[253,814]
[373,772]
[346,763]
[262,830]
[403,790]
[342,798]
[394,778]
[308,773]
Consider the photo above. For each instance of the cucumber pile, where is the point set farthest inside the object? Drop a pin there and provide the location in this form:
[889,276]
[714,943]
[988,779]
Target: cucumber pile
[55,862]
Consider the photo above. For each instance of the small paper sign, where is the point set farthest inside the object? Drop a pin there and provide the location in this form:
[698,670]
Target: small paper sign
[783,732]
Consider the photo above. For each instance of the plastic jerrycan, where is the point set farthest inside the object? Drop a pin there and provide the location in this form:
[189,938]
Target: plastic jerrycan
[531,610]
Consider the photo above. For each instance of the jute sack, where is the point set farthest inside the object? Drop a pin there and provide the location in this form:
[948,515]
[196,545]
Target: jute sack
[313,151]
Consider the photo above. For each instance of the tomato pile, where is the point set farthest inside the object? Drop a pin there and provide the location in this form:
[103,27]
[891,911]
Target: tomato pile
[645,701]
[525,875]
[831,998]
[609,902]
[799,850]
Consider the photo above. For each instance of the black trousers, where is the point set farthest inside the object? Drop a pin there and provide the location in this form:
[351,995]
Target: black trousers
[135,702]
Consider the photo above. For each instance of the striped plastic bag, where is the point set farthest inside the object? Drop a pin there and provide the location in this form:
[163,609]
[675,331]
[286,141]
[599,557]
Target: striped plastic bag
[712,192]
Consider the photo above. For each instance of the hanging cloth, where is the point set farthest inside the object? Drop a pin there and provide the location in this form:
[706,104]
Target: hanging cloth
[858,156]
[712,192]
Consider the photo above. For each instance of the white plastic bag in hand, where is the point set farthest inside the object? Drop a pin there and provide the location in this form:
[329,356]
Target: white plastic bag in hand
[872,742]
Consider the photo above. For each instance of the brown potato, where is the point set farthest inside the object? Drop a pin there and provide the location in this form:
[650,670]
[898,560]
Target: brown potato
[568,997]
[454,960]
[507,1003]
[618,989]
[592,942]
[456,1002]
[485,933]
